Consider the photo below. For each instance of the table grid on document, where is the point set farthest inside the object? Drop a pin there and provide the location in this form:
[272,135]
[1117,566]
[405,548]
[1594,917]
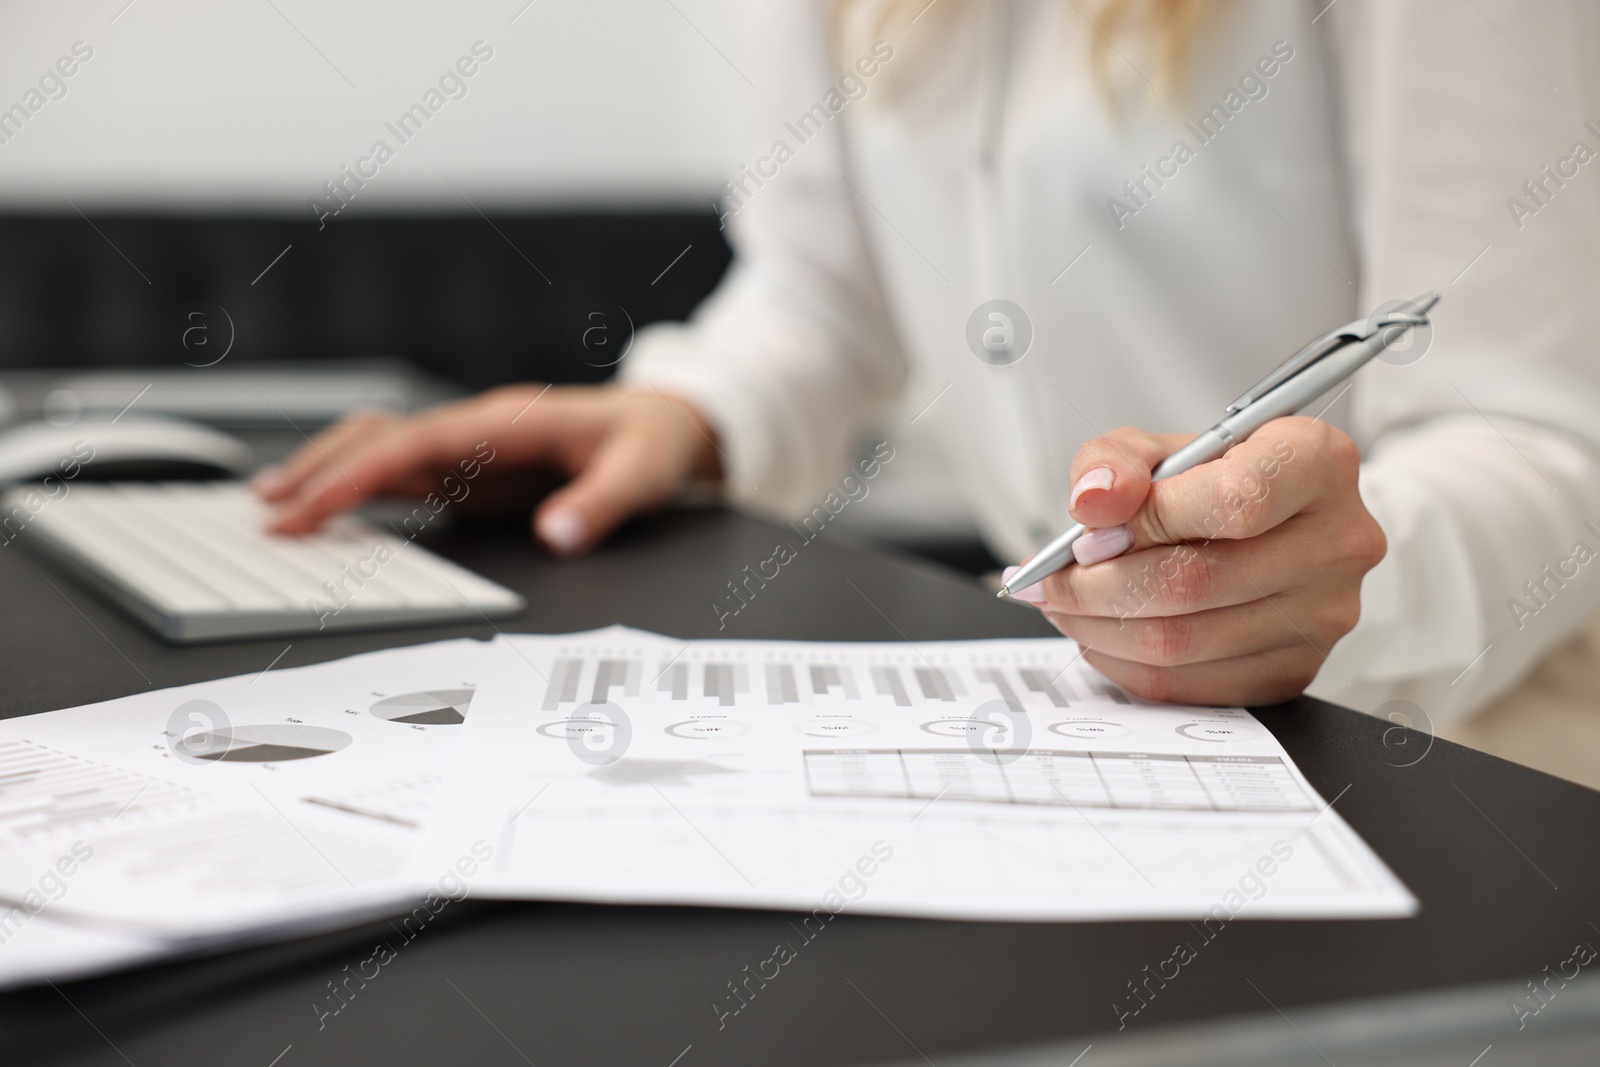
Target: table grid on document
[1128,780]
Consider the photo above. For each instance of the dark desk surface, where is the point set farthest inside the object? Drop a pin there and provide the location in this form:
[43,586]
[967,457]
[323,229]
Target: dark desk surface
[1503,859]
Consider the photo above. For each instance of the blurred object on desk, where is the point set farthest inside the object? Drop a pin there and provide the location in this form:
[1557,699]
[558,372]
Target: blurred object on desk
[139,447]
[252,395]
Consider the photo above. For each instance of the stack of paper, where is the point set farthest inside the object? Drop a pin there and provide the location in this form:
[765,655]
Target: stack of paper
[976,780]
[259,805]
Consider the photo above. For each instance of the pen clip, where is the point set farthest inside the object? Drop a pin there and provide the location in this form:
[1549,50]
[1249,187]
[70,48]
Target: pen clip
[1332,341]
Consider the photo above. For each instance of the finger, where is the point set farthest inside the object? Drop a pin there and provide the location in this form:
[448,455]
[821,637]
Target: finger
[1166,580]
[1288,466]
[1247,681]
[1179,640]
[631,471]
[1111,475]
[279,482]
[386,459]
[330,489]
[417,484]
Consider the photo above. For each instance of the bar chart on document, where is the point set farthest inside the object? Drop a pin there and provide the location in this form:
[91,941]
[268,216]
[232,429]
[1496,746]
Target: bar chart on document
[730,677]
[1008,777]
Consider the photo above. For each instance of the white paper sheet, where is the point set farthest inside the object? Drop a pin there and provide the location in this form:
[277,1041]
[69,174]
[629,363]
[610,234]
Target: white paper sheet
[983,780]
[974,780]
[277,801]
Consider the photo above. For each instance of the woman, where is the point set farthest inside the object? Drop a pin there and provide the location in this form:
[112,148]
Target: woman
[1171,196]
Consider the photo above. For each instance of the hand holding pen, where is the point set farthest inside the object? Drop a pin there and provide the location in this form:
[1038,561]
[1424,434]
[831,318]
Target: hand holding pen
[1221,569]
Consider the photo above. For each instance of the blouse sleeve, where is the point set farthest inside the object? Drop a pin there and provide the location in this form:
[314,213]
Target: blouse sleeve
[795,350]
[1473,170]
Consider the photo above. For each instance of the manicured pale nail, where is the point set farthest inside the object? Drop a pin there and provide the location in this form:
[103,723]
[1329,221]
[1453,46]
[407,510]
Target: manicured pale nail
[266,480]
[277,518]
[1034,594]
[563,529]
[1097,546]
[1099,478]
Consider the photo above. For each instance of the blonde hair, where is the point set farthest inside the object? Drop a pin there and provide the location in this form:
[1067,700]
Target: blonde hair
[1167,27]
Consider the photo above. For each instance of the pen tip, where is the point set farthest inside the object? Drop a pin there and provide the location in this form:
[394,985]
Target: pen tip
[1005,590]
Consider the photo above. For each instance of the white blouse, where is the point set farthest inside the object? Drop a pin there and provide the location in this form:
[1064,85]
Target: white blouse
[1320,160]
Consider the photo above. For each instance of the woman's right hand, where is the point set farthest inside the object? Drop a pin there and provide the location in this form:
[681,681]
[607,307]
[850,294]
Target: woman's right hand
[624,451]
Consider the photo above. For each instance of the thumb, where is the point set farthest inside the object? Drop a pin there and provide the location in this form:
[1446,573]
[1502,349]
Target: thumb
[1110,484]
[1111,475]
[627,473]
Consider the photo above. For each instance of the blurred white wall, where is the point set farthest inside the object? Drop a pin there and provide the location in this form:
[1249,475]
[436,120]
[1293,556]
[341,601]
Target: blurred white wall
[228,104]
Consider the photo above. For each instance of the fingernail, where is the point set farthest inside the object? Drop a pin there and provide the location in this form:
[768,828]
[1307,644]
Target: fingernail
[1099,478]
[563,529]
[266,480]
[1097,546]
[1034,594]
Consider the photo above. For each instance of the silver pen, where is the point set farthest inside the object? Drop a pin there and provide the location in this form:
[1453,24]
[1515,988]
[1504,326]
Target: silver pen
[1306,375]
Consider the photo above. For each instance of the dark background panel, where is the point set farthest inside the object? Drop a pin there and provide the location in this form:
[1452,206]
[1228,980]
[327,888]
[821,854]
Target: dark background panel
[474,299]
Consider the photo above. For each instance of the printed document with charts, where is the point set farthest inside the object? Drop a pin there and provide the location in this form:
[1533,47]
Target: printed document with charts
[970,780]
[258,806]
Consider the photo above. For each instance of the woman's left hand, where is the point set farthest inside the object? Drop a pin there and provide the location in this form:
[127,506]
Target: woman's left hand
[1227,584]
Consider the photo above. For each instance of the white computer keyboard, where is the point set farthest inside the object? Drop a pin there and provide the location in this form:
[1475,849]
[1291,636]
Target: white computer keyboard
[190,559]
